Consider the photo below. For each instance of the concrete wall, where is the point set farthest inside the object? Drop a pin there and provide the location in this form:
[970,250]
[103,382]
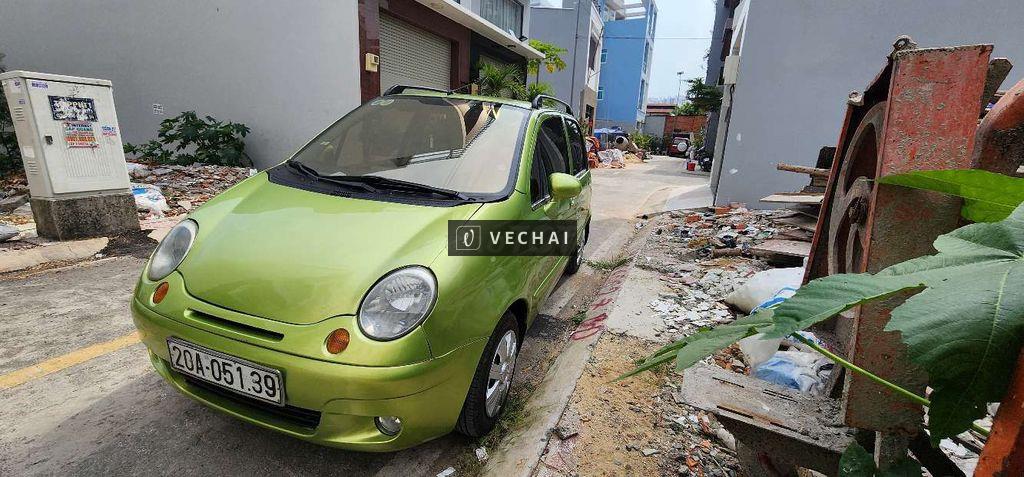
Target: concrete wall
[715,63]
[286,69]
[801,58]
[655,125]
[553,25]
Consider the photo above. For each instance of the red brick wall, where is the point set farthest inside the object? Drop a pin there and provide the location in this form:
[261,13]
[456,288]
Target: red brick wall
[684,124]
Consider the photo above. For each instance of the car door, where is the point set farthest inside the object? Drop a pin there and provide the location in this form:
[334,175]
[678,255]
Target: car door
[550,154]
[580,169]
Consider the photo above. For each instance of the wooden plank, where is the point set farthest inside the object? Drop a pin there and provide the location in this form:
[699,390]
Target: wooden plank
[812,171]
[792,248]
[795,198]
[800,221]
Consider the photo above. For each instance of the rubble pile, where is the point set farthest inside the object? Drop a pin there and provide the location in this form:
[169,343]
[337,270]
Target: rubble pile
[182,188]
[700,444]
[703,255]
[13,192]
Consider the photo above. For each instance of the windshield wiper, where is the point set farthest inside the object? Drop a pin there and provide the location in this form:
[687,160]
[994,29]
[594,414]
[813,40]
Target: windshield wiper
[396,184]
[309,171]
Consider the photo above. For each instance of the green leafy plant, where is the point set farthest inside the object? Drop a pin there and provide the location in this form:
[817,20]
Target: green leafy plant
[503,81]
[965,327]
[686,109]
[10,155]
[643,141]
[552,60]
[536,89]
[188,139]
[857,462]
[704,97]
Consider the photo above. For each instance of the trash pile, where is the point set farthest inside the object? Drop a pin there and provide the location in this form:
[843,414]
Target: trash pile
[611,158]
[716,266]
[170,190]
[15,215]
[13,192]
[616,156]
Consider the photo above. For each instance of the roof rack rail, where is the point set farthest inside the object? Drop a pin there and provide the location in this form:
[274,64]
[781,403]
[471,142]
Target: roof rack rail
[400,88]
[538,102]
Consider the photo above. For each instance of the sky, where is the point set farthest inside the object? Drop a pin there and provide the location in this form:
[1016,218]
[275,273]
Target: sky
[679,18]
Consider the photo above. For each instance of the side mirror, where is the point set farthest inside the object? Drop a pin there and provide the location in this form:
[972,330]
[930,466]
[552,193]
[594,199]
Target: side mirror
[564,186]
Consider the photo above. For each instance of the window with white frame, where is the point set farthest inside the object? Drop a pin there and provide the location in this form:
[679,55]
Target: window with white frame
[604,55]
[504,14]
[600,93]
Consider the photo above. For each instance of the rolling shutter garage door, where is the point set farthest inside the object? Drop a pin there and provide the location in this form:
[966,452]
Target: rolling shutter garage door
[412,56]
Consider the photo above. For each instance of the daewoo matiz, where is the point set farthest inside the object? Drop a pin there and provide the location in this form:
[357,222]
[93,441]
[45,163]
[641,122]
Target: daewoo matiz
[319,298]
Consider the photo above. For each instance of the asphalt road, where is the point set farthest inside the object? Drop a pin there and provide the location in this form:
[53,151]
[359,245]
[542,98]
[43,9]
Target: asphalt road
[80,397]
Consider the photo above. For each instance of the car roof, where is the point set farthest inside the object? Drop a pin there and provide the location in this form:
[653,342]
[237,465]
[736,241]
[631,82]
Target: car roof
[475,97]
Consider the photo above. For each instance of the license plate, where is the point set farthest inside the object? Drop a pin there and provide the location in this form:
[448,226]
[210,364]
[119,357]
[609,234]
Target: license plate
[226,371]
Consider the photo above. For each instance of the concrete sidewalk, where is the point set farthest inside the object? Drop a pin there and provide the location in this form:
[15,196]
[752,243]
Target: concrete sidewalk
[620,196]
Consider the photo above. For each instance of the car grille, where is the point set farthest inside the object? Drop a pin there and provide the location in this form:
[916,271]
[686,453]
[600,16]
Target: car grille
[296,416]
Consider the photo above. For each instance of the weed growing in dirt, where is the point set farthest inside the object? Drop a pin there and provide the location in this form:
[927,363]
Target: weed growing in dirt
[608,265]
[579,317]
[512,416]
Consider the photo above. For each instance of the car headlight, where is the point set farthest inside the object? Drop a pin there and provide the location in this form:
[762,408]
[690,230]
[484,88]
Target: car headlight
[172,249]
[397,303]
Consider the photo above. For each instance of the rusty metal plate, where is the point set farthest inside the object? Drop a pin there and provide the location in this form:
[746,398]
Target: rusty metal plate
[930,123]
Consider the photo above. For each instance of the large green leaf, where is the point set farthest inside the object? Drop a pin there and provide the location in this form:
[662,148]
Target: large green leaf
[988,197]
[826,297]
[691,349]
[966,327]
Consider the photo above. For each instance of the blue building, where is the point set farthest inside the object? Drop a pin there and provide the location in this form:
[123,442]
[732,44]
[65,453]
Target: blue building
[626,62]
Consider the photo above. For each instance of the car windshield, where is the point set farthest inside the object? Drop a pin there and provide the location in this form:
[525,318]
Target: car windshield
[459,145]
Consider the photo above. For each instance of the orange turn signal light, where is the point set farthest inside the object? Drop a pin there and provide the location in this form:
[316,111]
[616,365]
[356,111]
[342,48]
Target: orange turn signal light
[337,341]
[160,292]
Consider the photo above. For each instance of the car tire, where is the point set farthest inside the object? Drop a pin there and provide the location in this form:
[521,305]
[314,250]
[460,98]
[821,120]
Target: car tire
[576,259]
[479,414]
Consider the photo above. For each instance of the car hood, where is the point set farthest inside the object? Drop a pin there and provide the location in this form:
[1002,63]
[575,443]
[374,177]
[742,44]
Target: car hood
[297,256]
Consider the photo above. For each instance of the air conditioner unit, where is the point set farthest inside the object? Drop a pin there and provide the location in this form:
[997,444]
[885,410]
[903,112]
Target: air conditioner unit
[70,144]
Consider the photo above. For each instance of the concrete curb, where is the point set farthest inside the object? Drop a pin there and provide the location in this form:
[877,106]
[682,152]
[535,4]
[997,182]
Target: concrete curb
[60,251]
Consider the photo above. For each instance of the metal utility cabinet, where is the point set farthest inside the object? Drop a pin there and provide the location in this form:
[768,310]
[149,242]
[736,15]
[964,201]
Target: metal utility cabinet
[70,144]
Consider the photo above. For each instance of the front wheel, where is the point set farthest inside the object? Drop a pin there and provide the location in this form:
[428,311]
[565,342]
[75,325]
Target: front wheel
[490,387]
[576,259]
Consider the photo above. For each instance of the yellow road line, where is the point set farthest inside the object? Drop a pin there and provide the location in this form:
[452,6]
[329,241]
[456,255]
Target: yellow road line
[53,365]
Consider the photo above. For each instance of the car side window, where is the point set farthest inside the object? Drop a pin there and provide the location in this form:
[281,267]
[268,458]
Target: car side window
[554,131]
[538,175]
[579,151]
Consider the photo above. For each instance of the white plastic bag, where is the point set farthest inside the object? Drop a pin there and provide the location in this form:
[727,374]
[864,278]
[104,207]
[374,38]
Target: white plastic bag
[148,197]
[766,289]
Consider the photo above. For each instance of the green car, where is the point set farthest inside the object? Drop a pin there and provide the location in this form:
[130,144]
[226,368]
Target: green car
[320,299]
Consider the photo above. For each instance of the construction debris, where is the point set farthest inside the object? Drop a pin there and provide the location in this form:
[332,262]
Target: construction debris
[807,198]
[182,188]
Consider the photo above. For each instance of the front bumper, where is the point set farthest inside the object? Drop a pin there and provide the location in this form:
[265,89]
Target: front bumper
[327,403]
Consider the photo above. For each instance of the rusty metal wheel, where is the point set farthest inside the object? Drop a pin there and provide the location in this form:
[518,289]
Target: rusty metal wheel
[851,202]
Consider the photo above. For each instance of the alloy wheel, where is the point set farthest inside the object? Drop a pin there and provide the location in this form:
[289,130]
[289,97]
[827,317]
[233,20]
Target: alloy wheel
[499,378]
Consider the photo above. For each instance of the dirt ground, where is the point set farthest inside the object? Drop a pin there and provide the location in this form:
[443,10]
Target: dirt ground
[617,418]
